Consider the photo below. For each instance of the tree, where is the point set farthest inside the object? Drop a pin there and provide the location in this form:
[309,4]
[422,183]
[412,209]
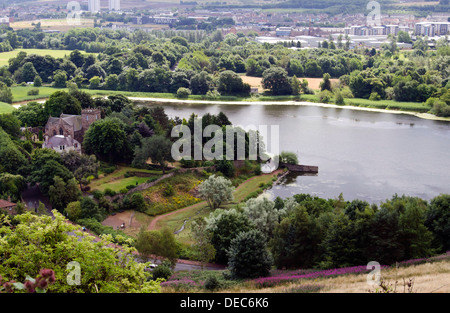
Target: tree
[263,214]
[231,83]
[202,245]
[216,190]
[104,268]
[159,244]
[73,210]
[276,80]
[295,68]
[32,114]
[224,225]
[296,240]
[62,102]
[5,93]
[201,83]
[248,256]
[107,139]
[313,69]
[325,84]
[37,81]
[81,165]
[28,72]
[295,85]
[60,79]
[62,193]
[157,148]
[12,159]
[288,157]
[438,221]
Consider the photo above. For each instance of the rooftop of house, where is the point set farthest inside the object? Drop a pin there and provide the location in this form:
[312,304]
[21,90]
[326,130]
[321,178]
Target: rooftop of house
[6,204]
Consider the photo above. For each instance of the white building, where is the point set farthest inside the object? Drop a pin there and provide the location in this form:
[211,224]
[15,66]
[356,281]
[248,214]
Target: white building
[432,29]
[114,5]
[94,6]
[61,144]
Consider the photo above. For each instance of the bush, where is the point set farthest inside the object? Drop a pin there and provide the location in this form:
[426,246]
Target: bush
[163,271]
[339,99]
[33,92]
[374,96]
[183,92]
[325,96]
[212,283]
[109,192]
[169,191]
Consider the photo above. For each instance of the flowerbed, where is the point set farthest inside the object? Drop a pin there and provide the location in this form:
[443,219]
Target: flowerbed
[264,282]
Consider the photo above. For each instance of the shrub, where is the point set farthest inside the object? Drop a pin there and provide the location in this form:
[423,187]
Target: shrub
[162,271]
[169,191]
[339,99]
[212,283]
[374,96]
[183,92]
[325,96]
[109,192]
[33,92]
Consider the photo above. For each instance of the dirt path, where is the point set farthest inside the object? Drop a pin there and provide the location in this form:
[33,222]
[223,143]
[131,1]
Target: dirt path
[153,223]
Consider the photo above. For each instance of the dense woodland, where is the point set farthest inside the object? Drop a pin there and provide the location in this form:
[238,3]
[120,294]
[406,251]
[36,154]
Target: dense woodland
[200,63]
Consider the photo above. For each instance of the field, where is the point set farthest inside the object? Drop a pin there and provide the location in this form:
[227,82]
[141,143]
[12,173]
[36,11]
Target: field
[52,24]
[313,83]
[5,56]
[6,108]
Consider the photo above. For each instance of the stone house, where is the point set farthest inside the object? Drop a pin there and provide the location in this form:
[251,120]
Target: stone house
[66,132]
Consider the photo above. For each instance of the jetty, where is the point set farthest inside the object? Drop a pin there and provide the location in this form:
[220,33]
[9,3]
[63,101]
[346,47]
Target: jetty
[298,168]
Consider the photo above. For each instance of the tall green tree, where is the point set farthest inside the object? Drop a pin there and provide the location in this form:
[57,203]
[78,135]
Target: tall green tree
[248,256]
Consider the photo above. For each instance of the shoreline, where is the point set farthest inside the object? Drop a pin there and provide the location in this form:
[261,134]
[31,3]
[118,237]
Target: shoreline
[292,102]
[426,116]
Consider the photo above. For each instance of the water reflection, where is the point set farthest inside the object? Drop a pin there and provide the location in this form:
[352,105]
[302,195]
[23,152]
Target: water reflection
[365,155]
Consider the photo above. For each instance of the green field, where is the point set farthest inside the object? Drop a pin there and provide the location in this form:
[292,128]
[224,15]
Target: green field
[117,181]
[6,108]
[20,92]
[5,56]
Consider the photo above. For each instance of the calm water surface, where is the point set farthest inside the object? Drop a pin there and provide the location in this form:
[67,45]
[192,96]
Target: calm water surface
[364,155]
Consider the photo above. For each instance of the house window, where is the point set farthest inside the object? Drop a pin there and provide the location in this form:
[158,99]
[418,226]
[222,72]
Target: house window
[61,147]
[75,145]
[61,132]
[87,117]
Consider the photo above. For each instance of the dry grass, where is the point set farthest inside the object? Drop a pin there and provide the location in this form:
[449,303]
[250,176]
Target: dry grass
[313,83]
[428,277]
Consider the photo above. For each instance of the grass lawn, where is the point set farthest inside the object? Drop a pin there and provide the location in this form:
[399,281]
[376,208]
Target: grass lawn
[117,181]
[20,92]
[6,108]
[5,56]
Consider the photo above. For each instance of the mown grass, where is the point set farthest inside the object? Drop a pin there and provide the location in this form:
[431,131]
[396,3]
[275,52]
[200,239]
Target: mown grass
[117,181]
[20,94]
[6,108]
[5,56]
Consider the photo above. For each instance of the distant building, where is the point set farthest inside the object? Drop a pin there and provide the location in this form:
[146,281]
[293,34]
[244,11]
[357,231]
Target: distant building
[5,20]
[114,5]
[93,6]
[432,29]
[283,31]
